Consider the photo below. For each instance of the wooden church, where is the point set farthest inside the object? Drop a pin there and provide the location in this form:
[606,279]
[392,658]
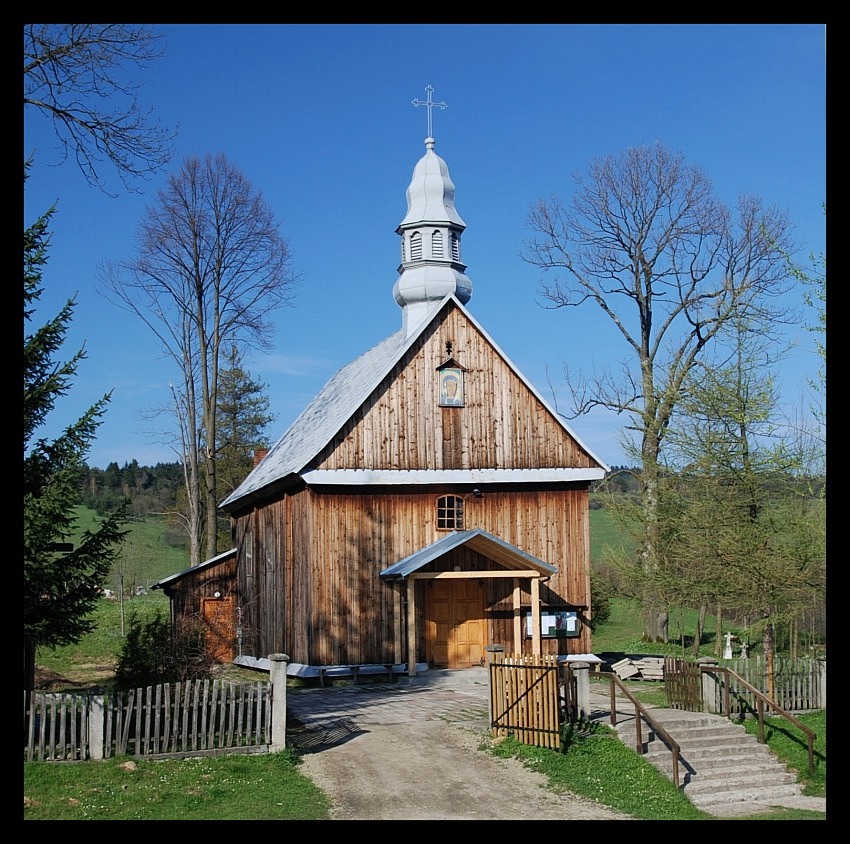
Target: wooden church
[427,503]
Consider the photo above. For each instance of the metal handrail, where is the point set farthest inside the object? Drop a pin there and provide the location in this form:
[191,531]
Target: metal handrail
[761,700]
[642,711]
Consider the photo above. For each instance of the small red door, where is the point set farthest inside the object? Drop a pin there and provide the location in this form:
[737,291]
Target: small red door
[218,621]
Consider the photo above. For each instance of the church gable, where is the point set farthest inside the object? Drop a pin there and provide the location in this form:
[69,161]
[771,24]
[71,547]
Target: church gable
[493,419]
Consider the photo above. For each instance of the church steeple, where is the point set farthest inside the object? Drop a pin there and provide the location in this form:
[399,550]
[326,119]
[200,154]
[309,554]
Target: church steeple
[431,266]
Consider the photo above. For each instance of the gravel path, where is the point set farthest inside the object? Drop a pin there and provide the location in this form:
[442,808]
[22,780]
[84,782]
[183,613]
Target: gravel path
[413,754]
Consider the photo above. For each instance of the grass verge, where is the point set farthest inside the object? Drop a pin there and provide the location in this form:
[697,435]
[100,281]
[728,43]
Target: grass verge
[597,765]
[233,787]
[792,746]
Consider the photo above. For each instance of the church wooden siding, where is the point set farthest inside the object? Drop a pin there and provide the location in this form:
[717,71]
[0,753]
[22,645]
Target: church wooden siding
[502,425]
[319,554]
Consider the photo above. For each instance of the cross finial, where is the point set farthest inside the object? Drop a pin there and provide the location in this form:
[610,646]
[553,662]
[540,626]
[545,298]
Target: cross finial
[431,105]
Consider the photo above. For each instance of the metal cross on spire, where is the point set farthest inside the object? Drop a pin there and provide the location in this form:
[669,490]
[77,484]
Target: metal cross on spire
[431,105]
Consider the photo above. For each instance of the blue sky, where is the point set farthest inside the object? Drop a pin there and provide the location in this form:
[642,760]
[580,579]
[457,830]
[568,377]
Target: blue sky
[320,118]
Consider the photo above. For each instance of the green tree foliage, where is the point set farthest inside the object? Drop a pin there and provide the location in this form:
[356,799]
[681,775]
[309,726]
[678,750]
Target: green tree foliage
[151,653]
[243,416]
[61,582]
[739,528]
[150,489]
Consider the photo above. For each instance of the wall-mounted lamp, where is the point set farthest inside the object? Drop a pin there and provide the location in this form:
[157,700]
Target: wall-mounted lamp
[217,595]
[477,493]
[458,568]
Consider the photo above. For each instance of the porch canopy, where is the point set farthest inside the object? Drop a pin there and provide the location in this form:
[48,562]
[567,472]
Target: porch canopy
[512,563]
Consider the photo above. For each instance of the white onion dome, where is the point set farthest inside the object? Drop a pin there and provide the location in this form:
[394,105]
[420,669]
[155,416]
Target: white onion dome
[431,266]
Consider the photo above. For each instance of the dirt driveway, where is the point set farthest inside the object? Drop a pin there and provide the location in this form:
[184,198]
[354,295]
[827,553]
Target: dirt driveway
[411,752]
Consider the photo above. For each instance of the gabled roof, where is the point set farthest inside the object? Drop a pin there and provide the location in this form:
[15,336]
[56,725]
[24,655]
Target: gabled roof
[343,394]
[478,540]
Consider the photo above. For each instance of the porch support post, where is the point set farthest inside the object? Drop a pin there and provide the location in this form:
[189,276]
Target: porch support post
[517,618]
[411,627]
[535,615]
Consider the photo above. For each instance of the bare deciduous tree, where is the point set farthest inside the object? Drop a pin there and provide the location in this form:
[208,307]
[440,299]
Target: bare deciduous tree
[647,242]
[75,75]
[211,266]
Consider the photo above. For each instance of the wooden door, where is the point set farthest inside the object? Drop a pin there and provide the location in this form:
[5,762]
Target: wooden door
[218,622]
[454,622]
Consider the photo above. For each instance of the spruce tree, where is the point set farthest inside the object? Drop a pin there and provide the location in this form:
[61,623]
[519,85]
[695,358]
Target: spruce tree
[61,578]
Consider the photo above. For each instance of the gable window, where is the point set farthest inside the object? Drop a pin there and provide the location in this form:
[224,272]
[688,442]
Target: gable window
[450,512]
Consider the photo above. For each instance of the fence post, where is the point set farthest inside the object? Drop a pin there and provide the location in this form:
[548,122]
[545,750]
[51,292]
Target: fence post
[95,731]
[491,650]
[822,696]
[581,672]
[709,684]
[279,663]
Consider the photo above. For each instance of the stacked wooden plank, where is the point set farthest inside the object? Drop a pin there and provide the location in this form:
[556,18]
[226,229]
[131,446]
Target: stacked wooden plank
[642,668]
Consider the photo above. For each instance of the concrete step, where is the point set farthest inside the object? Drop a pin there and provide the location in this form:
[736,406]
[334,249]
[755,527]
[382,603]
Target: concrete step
[719,801]
[721,750]
[705,783]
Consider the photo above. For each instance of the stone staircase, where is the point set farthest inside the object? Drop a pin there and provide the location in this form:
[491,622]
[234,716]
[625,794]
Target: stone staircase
[723,770]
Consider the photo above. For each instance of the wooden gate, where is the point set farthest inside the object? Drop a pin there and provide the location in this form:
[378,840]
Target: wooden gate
[524,698]
[683,684]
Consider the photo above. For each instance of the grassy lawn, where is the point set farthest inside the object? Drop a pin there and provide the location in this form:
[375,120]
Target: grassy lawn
[234,788]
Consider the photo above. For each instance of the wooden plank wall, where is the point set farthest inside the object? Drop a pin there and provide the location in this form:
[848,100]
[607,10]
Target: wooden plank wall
[339,611]
[191,590]
[502,424]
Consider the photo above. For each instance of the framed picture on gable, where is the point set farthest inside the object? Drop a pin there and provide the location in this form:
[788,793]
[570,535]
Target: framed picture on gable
[451,387]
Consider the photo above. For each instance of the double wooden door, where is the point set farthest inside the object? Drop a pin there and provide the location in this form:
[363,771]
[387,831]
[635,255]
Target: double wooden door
[454,623]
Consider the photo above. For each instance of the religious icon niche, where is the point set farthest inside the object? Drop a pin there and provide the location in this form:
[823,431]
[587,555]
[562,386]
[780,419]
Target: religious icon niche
[451,381]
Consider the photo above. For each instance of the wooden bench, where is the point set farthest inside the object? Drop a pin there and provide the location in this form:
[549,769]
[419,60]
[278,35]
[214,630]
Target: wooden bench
[330,672]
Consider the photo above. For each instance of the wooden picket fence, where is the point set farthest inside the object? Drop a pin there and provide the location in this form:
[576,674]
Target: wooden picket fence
[799,685]
[525,698]
[195,718]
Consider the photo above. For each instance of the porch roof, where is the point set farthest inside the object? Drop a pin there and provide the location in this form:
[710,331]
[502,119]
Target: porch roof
[505,554]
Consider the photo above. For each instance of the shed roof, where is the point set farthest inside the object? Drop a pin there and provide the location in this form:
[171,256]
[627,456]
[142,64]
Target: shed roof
[173,578]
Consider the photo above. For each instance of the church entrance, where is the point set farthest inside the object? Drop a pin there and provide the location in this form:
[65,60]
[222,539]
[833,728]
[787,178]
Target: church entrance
[455,626]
